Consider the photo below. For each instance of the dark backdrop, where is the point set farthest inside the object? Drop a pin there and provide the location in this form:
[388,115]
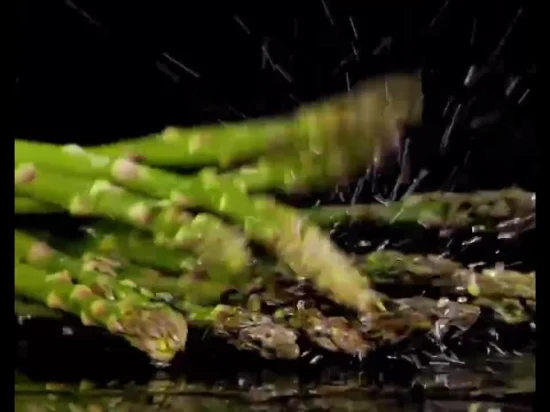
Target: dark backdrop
[96,71]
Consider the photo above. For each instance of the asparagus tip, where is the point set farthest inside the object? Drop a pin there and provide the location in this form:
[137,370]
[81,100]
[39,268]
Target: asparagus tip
[256,331]
[335,334]
[160,333]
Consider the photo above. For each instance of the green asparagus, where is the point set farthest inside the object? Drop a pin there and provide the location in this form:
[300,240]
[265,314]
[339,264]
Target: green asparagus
[245,330]
[301,245]
[190,291]
[24,309]
[39,254]
[190,287]
[358,123]
[25,205]
[491,209]
[371,120]
[382,267]
[220,145]
[122,242]
[486,209]
[160,333]
[221,248]
[499,293]
[31,251]
[390,266]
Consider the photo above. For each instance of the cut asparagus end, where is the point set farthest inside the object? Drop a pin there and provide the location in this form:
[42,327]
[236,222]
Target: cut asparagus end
[255,331]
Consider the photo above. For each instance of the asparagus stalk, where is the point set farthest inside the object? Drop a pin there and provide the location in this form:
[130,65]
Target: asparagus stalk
[160,333]
[516,209]
[487,209]
[369,116]
[25,205]
[25,309]
[301,245]
[496,289]
[390,266]
[218,246]
[220,145]
[492,209]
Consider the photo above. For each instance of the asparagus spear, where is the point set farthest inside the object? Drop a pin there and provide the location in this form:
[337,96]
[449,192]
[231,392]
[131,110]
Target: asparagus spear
[371,115]
[218,246]
[25,205]
[25,309]
[39,254]
[383,267]
[499,293]
[160,333]
[492,209]
[437,210]
[301,245]
[220,145]
[390,266]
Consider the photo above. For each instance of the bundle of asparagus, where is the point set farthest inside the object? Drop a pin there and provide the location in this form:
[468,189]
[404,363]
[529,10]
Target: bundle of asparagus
[168,248]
